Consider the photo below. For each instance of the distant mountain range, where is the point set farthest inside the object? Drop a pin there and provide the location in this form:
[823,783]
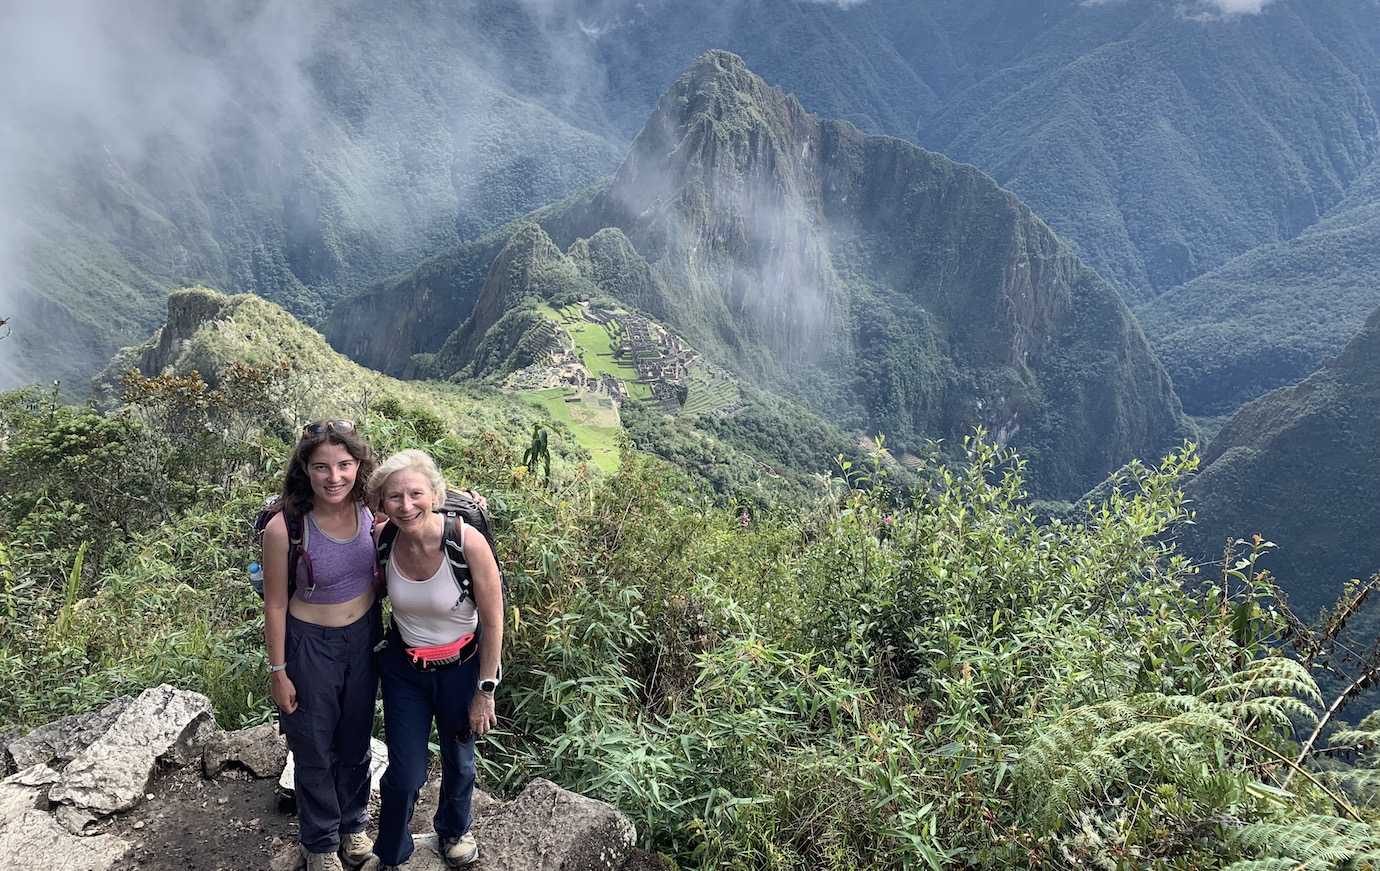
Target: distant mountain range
[883,286]
[307,158]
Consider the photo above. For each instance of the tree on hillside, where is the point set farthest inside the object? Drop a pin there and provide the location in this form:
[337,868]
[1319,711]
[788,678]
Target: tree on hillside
[538,452]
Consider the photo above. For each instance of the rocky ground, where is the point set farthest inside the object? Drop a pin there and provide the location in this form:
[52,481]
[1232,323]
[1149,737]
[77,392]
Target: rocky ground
[151,783]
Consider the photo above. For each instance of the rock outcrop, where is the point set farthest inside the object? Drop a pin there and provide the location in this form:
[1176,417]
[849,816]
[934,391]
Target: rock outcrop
[89,797]
[261,751]
[112,773]
[76,771]
[61,740]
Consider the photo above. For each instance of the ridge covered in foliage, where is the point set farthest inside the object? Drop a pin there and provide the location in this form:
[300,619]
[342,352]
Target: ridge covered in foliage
[1299,465]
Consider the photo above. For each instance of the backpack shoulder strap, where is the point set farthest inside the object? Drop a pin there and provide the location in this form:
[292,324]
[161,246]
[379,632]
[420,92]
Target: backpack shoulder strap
[384,547]
[297,534]
[453,543]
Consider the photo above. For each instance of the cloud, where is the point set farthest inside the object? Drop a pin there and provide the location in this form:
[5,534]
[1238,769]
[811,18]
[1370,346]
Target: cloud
[1239,7]
[1202,10]
[158,141]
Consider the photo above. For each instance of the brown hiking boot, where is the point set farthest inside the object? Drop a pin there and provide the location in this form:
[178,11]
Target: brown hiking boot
[322,861]
[460,851]
[355,849]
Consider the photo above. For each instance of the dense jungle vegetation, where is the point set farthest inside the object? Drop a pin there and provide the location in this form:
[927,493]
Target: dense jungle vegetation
[856,682]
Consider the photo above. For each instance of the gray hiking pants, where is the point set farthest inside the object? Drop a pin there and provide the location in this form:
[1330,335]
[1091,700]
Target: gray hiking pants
[336,680]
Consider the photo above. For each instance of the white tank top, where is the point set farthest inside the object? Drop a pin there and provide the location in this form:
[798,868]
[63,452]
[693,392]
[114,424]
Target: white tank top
[430,612]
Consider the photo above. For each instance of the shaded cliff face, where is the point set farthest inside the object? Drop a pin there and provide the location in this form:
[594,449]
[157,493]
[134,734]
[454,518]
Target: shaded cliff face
[1301,466]
[885,286]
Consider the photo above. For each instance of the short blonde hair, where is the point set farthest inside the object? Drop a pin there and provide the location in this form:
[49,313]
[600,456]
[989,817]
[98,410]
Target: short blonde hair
[410,460]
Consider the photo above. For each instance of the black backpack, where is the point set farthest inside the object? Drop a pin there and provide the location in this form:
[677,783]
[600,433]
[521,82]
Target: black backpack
[272,507]
[458,506]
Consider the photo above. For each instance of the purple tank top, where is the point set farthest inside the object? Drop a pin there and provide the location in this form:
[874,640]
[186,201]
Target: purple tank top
[342,569]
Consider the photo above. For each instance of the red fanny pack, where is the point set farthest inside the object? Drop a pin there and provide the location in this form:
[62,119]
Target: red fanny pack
[441,652]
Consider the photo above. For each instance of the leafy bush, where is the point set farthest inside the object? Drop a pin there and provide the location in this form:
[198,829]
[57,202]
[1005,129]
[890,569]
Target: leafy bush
[838,683]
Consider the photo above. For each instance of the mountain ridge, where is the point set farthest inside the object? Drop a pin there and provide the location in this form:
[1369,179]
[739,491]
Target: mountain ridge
[791,248]
[1298,466]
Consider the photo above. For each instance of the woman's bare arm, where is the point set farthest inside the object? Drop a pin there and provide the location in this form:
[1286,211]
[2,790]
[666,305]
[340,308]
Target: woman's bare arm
[275,561]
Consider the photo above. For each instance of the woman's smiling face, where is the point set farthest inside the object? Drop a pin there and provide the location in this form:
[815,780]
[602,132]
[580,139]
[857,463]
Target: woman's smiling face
[408,498]
[332,470]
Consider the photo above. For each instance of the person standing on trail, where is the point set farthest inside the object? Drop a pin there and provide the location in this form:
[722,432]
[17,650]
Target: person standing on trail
[320,631]
[440,660]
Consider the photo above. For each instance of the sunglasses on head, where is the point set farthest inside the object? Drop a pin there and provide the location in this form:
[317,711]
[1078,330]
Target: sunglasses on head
[321,426]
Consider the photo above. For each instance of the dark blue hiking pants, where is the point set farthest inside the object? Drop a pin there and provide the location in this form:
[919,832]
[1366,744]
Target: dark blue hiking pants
[412,699]
[336,679]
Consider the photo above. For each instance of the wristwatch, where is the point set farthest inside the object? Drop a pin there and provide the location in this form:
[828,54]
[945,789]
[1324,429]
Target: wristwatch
[488,685]
[276,668]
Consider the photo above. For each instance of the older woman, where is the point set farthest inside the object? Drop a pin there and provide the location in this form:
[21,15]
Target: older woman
[440,661]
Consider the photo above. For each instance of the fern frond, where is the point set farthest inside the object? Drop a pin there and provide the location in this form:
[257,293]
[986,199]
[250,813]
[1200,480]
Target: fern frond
[1317,841]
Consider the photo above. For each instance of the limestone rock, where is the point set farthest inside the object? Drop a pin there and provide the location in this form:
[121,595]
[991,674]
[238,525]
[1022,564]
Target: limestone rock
[7,766]
[260,749]
[548,828]
[189,747]
[286,857]
[35,776]
[78,820]
[23,791]
[34,839]
[61,740]
[113,772]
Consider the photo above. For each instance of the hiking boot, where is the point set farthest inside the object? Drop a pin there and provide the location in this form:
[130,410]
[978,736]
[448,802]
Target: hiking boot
[460,851]
[355,849]
[322,861]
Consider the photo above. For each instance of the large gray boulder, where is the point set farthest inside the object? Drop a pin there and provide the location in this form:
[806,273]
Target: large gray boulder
[24,791]
[61,740]
[260,750]
[547,828]
[113,772]
[34,839]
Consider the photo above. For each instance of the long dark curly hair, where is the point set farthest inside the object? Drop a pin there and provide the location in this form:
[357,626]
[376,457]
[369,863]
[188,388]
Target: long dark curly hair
[297,493]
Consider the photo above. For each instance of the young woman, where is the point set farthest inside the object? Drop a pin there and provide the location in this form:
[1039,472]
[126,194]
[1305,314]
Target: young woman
[441,659]
[321,639]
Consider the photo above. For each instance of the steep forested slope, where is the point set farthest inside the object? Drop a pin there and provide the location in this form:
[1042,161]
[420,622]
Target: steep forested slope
[1270,317]
[1164,144]
[1161,137]
[1301,466]
[890,287]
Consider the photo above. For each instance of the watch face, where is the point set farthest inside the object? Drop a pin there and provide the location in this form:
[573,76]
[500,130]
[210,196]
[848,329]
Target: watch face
[488,686]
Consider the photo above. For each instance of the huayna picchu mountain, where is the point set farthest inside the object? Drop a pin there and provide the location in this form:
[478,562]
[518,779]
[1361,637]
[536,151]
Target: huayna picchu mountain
[883,285]
[1301,467]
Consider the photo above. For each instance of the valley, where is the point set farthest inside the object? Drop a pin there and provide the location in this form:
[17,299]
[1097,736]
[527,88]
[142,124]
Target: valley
[914,434]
